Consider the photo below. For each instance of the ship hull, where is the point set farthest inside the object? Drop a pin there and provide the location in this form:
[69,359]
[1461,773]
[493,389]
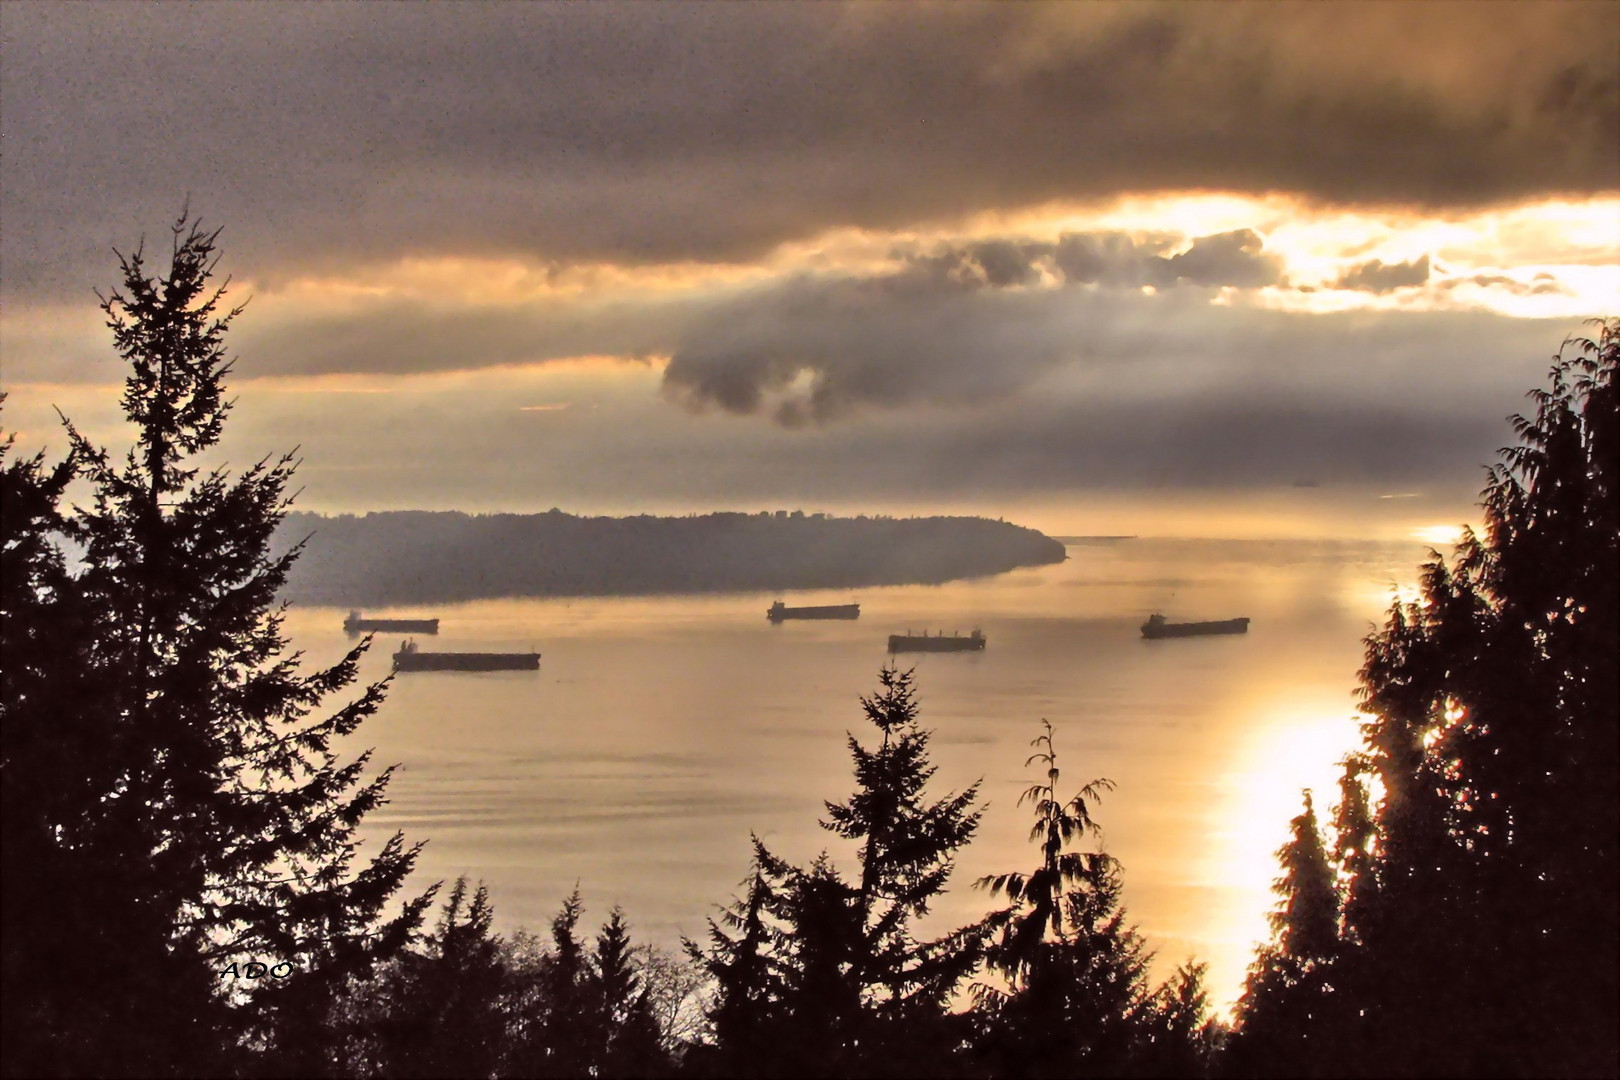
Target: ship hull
[391,626]
[457,661]
[832,611]
[899,643]
[1195,629]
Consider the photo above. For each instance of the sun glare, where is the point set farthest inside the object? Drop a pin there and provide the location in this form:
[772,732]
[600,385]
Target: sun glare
[1438,535]
[1288,747]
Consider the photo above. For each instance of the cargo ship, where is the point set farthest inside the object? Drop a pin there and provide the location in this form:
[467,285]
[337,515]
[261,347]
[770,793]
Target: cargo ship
[779,611]
[359,624]
[937,643]
[1158,627]
[410,658]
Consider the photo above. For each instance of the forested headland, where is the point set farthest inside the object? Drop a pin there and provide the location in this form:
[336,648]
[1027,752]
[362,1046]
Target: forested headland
[417,557]
[185,894]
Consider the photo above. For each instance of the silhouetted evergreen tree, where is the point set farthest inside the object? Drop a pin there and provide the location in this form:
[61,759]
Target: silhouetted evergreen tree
[1180,1037]
[585,1013]
[1355,832]
[823,1027]
[1074,997]
[55,767]
[1289,1013]
[1037,915]
[630,1038]
[558,1026]
[1480,924]
[906,855]
[437,1010]
[817,975]
[745,1007]
[184,810]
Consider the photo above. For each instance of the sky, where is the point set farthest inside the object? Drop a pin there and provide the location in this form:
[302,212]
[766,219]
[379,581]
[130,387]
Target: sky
[1218,269]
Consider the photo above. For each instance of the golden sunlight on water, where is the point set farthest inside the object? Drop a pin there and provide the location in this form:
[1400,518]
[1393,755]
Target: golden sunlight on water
[660,731]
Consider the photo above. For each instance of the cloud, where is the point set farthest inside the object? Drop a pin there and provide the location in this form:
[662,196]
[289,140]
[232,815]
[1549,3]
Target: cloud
[1063,390]
[812,349]
[1232,258]
[338,134]
[952,322]
[965,324]
[1150,395]
[1543,284]
[1380,277]
[401,337]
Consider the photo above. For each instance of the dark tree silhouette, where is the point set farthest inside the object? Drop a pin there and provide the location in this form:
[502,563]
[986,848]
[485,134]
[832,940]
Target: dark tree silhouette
[179,808]
[746,1006]
[585,1013]
[1072,996]
[559,1030]
[53,770]
[630,1038]
[907,844]
[817,975]
[1036,915]
[1288,992]
[439,1009]
[1479,927]
[1179,1036]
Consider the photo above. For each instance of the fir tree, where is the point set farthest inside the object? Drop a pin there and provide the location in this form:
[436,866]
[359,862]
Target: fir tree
[630,1038]
[202,818]
[1036,914]
[1480,919]
[1306,920]
[437,1009]
[1490,908]
[1354,834]
[744,1007]
[1290,1009]
[1180,1037]
[907,844]
[55,770]
[1073,997]
[585,1012]
[561,1028]
[819,975]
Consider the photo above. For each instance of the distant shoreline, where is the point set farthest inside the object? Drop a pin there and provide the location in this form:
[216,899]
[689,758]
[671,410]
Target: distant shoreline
[420,557]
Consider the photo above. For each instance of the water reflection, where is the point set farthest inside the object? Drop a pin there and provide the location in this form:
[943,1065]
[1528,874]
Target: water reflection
[660,731]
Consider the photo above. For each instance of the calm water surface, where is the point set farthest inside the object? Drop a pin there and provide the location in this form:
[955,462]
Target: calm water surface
[660,731]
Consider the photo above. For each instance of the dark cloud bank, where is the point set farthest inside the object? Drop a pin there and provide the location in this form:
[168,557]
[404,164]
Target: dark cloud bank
[1380,277]
[960,325]
[729,348]
[324,134]
[970,325]
[1061,390]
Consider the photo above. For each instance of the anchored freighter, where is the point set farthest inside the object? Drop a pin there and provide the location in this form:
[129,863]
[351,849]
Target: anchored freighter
[1158,627]
[937,643]
[358,624]
[410,658]
[779,611]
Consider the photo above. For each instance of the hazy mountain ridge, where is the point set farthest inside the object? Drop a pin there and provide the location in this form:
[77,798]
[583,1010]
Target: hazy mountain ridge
[411,557]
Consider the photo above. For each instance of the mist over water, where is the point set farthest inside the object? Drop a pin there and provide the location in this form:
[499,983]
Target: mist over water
[659,731]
